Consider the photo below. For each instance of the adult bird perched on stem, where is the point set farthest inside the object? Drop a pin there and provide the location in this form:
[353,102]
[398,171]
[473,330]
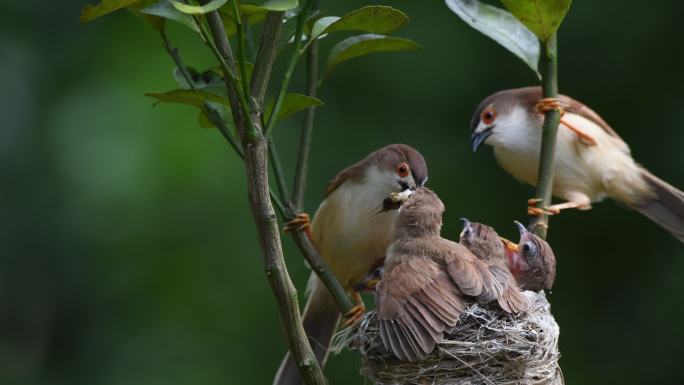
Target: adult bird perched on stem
[592,161]
[426,280]
[351,233]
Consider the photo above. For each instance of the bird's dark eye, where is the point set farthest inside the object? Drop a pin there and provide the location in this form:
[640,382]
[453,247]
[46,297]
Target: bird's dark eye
[488,115]
[529,249]
[403,169]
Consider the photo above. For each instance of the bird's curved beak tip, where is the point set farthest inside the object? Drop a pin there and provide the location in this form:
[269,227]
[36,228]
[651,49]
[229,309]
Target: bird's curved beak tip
[465,222]
[521,228]
[477,138]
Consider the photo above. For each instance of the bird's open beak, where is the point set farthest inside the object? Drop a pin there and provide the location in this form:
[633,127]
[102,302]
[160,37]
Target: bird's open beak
[368,285]
[511,247]
[521,228]
[477,138]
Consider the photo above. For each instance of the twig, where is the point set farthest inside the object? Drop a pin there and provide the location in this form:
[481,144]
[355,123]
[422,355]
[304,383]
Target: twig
[278,171]
[296,54]
[266,55]
[323,272]
[241,46]
[548,66]
[256,160]
[221,49]
[302,167]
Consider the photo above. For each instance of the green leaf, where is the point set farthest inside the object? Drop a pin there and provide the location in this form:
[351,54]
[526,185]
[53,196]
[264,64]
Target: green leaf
[91,12]
[373,19]
[321,25]
[213,109]
[293,103]
[270,5]
[156,22]
[198,9]
[542,17]
[500,26]
[195,98]
[165,9]
[363,45]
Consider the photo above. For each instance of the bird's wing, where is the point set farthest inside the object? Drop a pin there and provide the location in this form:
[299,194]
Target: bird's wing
[575,107]
[511,300]
[472,275]
[351,172]
[416,301]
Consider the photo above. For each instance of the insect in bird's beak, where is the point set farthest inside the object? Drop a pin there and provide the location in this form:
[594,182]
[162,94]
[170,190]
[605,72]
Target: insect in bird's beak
[478,137]
[395,199]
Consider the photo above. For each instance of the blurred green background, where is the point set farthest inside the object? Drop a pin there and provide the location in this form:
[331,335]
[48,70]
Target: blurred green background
[127,251]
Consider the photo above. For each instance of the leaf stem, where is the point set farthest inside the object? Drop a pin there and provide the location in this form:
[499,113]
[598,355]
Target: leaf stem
[302,167]
[548,66]
[278,171]
[241,47]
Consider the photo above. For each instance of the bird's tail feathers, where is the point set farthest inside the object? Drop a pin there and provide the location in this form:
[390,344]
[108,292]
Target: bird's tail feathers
[665,207]
[320,319]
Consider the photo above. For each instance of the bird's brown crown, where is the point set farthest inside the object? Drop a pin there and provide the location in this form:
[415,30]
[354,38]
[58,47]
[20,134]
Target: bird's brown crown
[420,215]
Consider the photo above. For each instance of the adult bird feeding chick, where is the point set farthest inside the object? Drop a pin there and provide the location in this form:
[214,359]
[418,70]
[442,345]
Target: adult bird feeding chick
[592,161]
[531,261]
[426,279]
[351,233]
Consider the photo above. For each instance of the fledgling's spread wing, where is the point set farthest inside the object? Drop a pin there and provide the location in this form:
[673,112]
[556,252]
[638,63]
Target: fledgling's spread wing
[471,275]
[416,302]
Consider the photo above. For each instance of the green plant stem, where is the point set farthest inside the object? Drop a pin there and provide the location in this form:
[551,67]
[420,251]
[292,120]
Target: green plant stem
[278,171]
[221,49]
[241,47]
[548,67]
[302,168]
[296,54]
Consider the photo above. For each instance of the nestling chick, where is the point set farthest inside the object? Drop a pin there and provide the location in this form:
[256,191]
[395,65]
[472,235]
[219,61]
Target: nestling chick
[592,161]
[531,261]
[485,243]
[426,279]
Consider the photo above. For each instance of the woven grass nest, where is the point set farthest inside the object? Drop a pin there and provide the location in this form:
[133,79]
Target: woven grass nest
[488,346]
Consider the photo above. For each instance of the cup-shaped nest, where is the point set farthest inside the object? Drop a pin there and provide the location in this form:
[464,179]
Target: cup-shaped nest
[488,346]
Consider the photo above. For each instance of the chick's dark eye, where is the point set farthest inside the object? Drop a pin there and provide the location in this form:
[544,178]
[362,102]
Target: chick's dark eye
[529,249]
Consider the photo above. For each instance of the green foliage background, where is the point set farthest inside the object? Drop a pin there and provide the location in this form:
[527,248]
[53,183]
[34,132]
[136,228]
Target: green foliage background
[127,251]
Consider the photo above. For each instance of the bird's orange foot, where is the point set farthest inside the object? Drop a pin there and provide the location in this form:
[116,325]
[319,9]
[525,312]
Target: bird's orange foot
[534,211]
[299,223]
[549,104]
[354,315]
